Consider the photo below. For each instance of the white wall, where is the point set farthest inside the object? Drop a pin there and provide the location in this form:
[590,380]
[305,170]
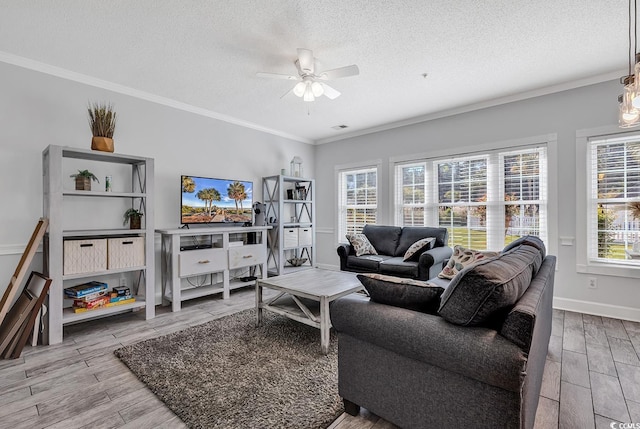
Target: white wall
[561,113]
[38,109]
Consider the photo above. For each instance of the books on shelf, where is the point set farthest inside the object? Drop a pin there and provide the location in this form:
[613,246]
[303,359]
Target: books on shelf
[130,300]
[95,295]
[85,289]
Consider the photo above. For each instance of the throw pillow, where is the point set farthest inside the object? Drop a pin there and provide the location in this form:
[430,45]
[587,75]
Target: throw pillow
[492,285]
[416,249]
[462,258]
[402,292]
[361,244]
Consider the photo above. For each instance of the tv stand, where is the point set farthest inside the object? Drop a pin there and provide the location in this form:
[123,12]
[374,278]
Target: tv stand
[207,261]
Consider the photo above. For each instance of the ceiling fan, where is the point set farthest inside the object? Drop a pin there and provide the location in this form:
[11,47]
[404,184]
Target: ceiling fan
[311,84]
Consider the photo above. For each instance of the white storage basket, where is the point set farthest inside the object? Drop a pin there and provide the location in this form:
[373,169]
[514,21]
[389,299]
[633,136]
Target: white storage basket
[125,252]
[85,256]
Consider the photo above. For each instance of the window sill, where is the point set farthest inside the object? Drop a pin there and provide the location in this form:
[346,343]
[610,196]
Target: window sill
[610,269]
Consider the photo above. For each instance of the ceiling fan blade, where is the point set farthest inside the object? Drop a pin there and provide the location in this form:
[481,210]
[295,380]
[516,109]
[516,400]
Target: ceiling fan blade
[346,71]
[330,92]
[305,61]
[278,76]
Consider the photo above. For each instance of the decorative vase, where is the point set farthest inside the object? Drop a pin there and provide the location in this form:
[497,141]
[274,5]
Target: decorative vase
[103,144]
[83,183]
[135,222]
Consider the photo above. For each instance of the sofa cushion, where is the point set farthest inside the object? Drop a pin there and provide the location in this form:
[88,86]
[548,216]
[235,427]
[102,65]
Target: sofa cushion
[462,258]
[402,292]
[366,262]
[415,250]
[411,234]
[361,244]
[397,267]
[529,240]
[491,285]
[383,238]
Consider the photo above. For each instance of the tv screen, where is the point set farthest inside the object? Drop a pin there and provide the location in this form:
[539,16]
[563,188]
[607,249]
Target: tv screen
[209,200]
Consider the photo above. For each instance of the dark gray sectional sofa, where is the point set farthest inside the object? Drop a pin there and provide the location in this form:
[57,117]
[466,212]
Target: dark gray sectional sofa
[419,370]
[391,243]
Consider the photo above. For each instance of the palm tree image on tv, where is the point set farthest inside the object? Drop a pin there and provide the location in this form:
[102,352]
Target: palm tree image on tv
[207,200]
[237,192]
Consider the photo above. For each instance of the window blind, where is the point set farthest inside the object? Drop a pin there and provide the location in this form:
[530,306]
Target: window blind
[485,200]
[358,200]
[614,198]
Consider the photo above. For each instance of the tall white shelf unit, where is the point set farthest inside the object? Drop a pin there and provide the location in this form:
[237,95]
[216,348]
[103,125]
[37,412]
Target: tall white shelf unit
[54,197]
[292,218]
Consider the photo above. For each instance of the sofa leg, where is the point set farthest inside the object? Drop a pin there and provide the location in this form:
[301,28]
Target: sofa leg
[351,408]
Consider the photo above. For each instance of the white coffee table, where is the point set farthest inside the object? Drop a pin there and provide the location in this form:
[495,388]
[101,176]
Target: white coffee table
[321,286]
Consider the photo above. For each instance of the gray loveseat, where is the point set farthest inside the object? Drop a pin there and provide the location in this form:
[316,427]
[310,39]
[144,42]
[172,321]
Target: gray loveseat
[418,370]
[391,243]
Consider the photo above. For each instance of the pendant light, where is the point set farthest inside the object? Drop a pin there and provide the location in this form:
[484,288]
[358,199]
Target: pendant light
[629,102]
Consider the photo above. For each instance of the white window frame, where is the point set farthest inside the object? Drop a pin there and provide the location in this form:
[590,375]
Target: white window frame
[584,262]
[551,142]
[352,168]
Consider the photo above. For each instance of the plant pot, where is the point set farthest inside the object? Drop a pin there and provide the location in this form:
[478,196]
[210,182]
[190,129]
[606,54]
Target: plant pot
[103,144]
[83,183]
[135,222]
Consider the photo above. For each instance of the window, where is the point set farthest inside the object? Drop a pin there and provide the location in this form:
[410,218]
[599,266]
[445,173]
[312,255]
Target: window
[485,200]
[614,200]
[358,199]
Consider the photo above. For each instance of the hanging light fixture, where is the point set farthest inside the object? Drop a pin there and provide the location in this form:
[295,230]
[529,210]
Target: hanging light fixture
[629,102]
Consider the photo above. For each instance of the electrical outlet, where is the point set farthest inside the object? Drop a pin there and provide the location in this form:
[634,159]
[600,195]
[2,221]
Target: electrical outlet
[593,283]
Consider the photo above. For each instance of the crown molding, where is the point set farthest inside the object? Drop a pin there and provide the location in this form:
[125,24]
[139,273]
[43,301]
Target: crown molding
[41,67]
[578,83]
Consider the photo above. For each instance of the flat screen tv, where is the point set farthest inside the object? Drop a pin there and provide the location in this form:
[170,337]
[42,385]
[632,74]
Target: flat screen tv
[207,200]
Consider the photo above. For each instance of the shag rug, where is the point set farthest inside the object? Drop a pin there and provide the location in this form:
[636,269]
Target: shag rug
[229,374]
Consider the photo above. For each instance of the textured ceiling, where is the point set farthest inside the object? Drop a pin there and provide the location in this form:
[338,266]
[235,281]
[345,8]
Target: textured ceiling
[206,53]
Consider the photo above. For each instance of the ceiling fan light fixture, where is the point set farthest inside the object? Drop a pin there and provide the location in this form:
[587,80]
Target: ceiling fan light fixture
[308,94]
[299,89]
[317,89]
[628,116]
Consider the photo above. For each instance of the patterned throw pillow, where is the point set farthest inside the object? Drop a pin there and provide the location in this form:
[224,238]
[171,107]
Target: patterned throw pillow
[361,244]
[462,258]
[412,294]
[416,249]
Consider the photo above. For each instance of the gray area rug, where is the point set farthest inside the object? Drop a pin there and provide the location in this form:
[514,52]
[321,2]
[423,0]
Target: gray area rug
[229,374]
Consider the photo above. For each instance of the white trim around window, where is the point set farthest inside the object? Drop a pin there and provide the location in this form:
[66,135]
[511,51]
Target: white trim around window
[425,159]
[365,169]
[586,200]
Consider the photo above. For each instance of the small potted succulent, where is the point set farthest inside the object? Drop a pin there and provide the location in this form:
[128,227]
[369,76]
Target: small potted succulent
[102,120]
[134,217]
[83,180]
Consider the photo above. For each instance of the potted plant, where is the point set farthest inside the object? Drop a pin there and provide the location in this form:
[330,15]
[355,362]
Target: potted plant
[134,217]
[102,120]
[83,180]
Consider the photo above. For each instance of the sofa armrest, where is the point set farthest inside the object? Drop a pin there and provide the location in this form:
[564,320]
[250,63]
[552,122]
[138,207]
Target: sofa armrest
[344,249]
[432,261]
[474,352]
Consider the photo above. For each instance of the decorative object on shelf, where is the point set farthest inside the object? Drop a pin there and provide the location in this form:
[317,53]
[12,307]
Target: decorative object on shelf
[296,166]
[134,217]
[102,120]
[301,192]
[629,102]
[83,180]
[296,262]
[108,184]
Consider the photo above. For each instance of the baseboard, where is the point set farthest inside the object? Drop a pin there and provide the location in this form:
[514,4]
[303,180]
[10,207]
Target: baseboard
[597,309]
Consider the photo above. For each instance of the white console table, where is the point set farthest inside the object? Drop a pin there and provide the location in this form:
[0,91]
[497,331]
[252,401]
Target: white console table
[200,261]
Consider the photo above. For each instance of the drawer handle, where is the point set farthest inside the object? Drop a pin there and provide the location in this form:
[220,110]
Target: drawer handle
[247,256]
[86,245]
[206,261]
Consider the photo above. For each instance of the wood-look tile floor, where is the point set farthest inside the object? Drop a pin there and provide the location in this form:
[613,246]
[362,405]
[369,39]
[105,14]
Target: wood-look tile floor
[592,375]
